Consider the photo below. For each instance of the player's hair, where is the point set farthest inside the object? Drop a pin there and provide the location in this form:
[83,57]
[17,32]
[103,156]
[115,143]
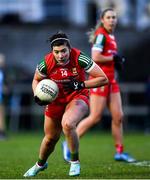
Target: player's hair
[91,33]
[59,39]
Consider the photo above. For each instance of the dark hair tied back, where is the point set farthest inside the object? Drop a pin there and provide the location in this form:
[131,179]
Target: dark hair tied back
[59,39]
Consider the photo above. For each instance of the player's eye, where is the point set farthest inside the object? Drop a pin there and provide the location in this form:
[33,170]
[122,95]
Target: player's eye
[56,52]
[64,50]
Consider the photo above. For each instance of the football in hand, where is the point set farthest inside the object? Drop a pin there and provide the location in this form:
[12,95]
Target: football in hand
[46,90]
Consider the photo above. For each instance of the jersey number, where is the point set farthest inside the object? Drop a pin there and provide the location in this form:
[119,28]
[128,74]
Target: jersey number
[64,73]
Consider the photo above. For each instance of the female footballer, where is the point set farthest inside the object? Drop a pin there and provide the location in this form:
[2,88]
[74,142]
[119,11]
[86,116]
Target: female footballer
[66,66]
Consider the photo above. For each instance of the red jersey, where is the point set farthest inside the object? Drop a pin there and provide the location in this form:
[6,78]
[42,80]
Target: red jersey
[106,44]
[61,73]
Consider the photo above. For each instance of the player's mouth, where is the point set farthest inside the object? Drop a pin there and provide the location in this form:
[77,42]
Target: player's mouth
[62,61]
[112,25]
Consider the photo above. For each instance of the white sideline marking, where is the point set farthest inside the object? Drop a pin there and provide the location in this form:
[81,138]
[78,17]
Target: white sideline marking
[142,163]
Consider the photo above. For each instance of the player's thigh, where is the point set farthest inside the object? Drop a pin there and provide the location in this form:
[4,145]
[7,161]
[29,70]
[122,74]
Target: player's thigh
[115,105]
[97,105]
[52,127]
[74,112]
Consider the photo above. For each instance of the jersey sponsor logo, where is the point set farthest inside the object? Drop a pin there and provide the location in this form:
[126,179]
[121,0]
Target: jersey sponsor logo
[59,80]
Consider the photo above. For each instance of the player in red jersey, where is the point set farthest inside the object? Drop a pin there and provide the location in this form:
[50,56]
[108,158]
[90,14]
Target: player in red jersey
[67,67]
[104,53]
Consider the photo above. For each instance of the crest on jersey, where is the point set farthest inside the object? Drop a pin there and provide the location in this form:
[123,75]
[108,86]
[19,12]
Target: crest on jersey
[74,71]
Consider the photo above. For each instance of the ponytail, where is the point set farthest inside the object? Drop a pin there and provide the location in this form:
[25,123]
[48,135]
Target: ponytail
[91,33]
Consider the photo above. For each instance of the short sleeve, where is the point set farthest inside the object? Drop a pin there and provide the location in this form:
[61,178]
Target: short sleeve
[42,68]
[99,42]
[85,62]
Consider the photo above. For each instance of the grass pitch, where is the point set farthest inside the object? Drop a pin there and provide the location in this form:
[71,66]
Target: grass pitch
[20,152]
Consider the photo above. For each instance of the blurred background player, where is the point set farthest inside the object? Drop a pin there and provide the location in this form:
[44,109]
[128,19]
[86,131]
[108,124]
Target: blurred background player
[104,53]
[2,108]
[131,14]
[66,66]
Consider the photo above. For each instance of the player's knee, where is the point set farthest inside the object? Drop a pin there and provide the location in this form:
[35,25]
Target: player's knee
[118,118]
[68,127]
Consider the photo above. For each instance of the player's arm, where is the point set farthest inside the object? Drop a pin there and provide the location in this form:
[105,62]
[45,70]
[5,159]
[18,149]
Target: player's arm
[100,79]
[40,73]
[97,49]
[93,70]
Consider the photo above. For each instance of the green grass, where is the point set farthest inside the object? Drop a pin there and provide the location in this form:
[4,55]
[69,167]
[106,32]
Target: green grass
[20,152]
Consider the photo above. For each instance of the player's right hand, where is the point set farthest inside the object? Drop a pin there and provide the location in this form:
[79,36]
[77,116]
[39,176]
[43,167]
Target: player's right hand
[39,102]
[73,85]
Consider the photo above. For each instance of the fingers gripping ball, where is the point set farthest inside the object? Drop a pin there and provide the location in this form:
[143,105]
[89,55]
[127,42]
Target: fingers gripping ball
[46,91]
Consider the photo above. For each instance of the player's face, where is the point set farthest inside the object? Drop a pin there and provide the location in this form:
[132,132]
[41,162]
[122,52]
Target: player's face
[61,54]
[109,21]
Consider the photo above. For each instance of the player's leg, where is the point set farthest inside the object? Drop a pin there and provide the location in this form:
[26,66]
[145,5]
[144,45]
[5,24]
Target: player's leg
[115,107]
[52,129]
[74,112]
[97,105]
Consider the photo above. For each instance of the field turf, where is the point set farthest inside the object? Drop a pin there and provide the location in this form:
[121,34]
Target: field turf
[20,151]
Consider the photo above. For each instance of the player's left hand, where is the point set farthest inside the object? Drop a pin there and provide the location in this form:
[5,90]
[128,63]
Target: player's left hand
[118,60]
[39,102]
[73,85]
